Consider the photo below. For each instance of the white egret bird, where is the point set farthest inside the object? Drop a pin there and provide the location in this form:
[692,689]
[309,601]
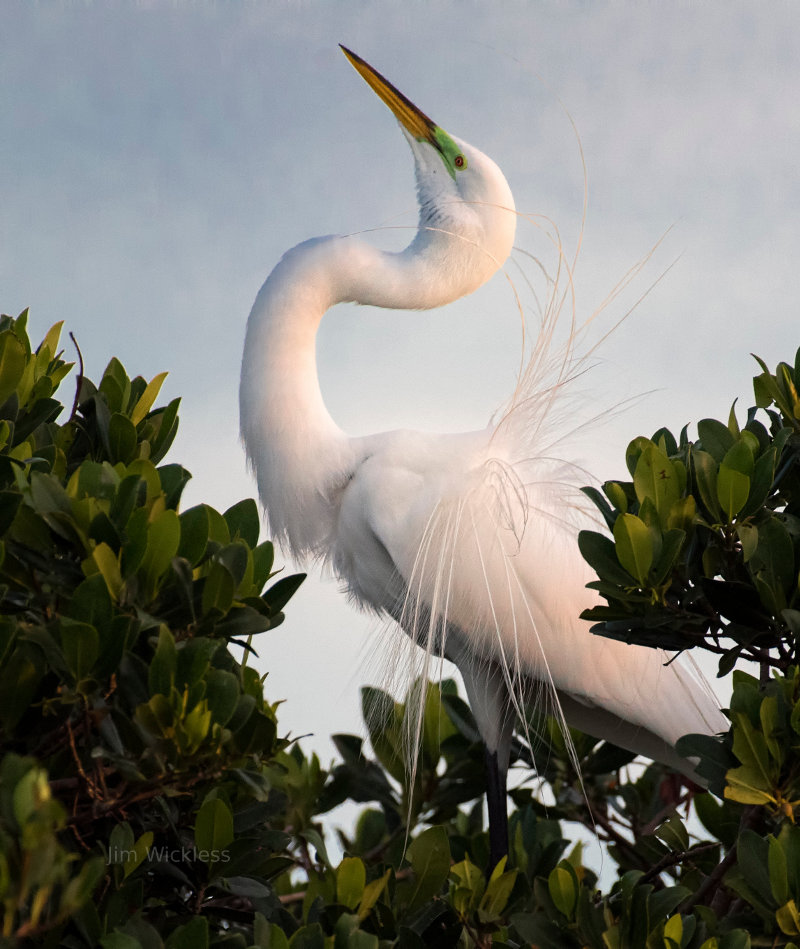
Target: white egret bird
[466,540]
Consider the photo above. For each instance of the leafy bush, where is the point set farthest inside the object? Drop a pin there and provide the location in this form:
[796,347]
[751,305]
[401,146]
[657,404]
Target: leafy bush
[148,798]
[706,553]
[128,728]
[706,548]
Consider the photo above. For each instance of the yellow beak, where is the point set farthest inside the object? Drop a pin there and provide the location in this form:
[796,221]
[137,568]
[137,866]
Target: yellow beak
[409,116]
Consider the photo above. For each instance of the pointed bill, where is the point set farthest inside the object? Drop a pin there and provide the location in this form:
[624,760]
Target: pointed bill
[409,116]
[412,119]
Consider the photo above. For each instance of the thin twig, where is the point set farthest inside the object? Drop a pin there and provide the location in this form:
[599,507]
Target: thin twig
[89,783]
[79,380]
[651,826]
[672,859]
[613,836]
[713,880]
[287,899]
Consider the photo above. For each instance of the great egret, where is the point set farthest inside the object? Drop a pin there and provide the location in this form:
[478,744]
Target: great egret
[466,540]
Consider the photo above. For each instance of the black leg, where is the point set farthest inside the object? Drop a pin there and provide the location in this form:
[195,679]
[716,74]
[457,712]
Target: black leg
[497,804]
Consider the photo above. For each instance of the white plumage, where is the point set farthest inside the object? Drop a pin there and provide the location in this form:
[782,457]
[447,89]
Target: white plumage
[467,540]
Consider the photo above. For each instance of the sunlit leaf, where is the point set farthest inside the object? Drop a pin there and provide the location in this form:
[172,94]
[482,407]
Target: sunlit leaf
[656,479]
[634,546]
[147,399]
[12,364]
[563,891]
[351,877]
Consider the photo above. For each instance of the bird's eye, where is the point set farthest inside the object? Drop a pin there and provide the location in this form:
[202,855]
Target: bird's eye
[459,161]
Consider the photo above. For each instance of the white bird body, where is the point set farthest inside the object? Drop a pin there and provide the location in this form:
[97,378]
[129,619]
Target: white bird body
[467,540]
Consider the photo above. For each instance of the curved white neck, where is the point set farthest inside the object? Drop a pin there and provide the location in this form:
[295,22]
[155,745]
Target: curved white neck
[302,459]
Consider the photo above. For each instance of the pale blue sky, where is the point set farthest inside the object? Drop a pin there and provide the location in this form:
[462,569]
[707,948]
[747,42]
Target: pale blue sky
[156,159]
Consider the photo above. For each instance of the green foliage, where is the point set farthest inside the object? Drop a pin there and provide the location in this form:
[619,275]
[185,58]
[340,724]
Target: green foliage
[706,553]
[148,799]
[134,745]
[706,543]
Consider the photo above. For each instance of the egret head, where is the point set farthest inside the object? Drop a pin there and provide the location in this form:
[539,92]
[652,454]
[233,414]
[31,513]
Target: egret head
[461,190]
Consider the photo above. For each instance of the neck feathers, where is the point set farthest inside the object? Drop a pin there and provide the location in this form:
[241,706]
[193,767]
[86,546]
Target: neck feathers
[301,458]
[299,455]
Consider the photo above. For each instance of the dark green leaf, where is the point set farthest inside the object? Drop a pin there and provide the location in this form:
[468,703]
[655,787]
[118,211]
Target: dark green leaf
[753,859]
[218,589]
[222,694]
[429,856]
[235,557]
[663,903]
[537,930]
[609,514]
[122,441]
[242,621]
[282,591]
[715,438]
[705,473]
[194,533]
[243,520]
[81,645]
[193,660]
[672,541]
[19,680]
[174,479]
[308,937]
[9,503]
[119,940]
[164,424]
[599,552]
[213,830]
[116,386]
[192,935]
[263,559]
[136,545]
[161,676]
[773,560]
[778,872]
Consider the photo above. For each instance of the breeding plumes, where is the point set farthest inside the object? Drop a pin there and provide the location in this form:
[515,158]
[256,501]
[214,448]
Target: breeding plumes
[468,541]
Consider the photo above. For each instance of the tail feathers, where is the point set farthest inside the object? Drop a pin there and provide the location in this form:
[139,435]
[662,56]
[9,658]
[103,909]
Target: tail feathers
[602,723]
